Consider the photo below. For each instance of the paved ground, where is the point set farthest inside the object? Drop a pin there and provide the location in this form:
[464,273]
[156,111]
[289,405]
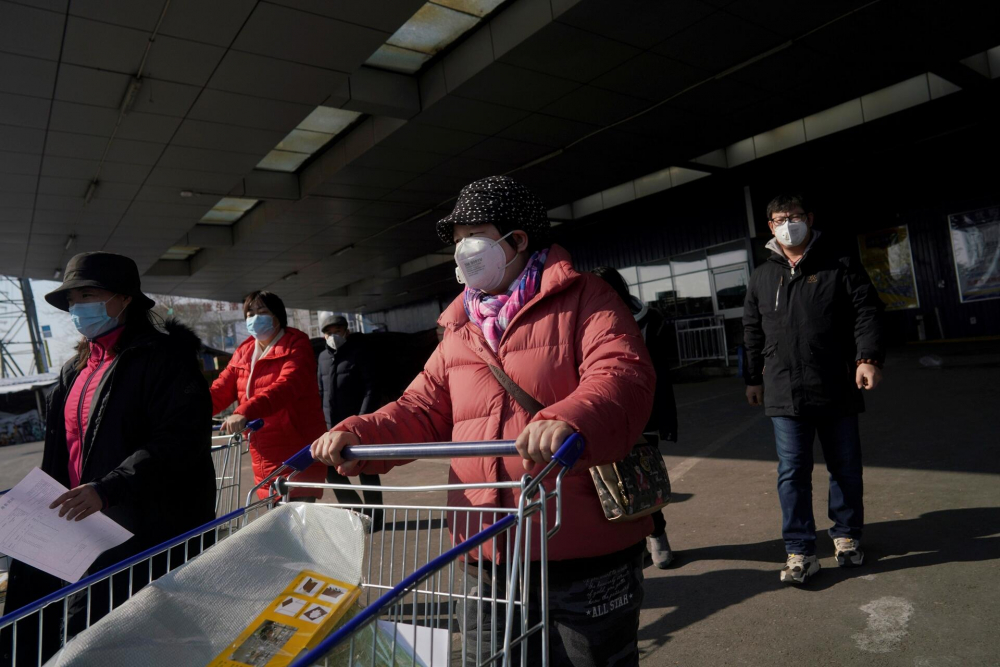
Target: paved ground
[927,595]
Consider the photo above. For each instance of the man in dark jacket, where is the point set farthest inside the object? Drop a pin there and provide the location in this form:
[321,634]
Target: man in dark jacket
[347,388]
[813,339]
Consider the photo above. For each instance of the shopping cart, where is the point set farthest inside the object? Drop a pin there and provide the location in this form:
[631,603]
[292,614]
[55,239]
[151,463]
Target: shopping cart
[114,585]
[227,456]
[434,601]
[429,600]
[48,621]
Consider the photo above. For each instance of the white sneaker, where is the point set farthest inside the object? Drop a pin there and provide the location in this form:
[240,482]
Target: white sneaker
[659,549]
[799,568]
[849,553]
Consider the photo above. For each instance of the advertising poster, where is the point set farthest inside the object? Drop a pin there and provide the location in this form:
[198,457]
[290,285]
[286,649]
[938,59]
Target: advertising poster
[887,258]
[975,245]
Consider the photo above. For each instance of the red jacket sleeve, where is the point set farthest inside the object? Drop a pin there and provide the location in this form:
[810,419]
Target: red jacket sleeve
[422,414]
[224,389]
[613,401]
[298,376]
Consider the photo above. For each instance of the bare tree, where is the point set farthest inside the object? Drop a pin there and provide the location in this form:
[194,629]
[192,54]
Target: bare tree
[213,321]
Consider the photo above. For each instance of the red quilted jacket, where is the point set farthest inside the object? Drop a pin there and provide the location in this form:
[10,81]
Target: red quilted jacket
[284,393]
[575,347]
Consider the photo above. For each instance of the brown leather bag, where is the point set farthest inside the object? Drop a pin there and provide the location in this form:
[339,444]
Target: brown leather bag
[632,488]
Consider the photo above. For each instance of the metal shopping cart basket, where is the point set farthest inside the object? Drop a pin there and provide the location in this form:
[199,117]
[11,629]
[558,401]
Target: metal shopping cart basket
[427,597]
[227,456]
[432,601]
[129,576]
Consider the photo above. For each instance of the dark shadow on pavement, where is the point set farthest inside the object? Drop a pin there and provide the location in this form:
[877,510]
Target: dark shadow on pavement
[935,538]
[910,421]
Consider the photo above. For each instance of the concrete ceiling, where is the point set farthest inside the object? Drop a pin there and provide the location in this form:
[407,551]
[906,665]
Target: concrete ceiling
[589,93]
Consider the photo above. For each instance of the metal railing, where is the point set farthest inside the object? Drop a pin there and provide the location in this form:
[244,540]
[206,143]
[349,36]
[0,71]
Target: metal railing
[701,338]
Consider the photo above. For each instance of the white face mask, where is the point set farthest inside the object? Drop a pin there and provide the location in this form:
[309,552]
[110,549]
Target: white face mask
[481,262]
[791,233]
[335,340]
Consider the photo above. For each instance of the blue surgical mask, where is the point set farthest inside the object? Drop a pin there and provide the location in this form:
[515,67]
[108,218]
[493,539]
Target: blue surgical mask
[260,327]
[92,319]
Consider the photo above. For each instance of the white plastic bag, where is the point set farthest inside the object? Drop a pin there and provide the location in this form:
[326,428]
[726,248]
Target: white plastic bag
[190,615]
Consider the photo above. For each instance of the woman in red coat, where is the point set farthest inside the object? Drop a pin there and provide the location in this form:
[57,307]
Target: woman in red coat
[273,377]
[567,340]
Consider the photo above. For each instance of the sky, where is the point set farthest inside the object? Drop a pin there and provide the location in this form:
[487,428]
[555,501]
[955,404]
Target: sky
[64,334]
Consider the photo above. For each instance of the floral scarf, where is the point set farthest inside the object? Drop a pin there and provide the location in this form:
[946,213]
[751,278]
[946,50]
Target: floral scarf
[492,313]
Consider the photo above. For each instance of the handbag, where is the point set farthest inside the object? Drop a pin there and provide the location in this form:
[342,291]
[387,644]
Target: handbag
[630,489]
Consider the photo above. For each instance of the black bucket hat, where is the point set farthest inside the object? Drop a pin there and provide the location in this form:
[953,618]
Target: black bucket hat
[500,201]
[115,273]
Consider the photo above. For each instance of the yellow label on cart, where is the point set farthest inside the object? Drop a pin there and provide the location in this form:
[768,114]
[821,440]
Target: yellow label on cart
[295,621]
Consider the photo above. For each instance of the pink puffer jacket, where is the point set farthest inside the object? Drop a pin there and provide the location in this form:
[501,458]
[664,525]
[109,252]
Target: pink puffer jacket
[576,348]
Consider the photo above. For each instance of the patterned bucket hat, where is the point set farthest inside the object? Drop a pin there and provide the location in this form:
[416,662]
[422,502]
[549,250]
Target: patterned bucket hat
[500,201]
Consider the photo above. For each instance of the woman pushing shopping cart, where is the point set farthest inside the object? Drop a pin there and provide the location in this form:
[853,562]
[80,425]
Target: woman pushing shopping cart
[272,376]
[532,351]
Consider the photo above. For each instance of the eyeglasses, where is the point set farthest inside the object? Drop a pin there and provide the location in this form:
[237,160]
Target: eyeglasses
[791,218]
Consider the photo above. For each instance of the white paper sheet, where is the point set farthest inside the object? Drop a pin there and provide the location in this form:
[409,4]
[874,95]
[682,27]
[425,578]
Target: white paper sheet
[36,535]
[430,646]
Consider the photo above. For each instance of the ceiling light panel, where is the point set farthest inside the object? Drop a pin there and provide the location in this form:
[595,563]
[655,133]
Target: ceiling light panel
[304,141]
[235,204]
[282,161]
[228,210]
[328,120]
[311,135]
[214,217]
[396,59]
[478,8]
[431,29]
[180,252]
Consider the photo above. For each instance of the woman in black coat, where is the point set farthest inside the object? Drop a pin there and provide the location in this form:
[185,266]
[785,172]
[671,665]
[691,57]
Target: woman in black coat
[128,433]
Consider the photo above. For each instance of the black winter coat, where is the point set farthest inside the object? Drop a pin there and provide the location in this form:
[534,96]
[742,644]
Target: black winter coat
[663,420]
[146,449]
[346,383]
[804,329]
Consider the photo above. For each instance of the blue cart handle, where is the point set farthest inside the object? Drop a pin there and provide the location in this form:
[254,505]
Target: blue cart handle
[255,425]
[567,454]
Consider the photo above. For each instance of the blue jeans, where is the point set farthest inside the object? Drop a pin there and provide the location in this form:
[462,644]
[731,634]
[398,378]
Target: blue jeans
[841,444]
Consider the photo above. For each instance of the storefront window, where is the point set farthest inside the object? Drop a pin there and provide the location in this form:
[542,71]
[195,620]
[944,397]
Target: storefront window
[630,275]
[725,255]
[689,263]
[693,294]
[657,290]
[653,272]
[703,282]
[730,287]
